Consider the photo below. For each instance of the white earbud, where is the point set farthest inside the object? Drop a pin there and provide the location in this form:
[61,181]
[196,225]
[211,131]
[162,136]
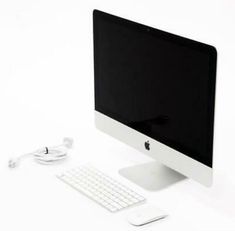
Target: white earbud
[46,155]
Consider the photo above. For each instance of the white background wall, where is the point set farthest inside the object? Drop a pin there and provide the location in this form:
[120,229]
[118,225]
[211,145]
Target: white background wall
[46,85]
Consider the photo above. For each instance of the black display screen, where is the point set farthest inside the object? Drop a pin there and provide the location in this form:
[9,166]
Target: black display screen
[157,83]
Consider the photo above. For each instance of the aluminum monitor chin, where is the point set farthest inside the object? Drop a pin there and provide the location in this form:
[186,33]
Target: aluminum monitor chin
[155,91]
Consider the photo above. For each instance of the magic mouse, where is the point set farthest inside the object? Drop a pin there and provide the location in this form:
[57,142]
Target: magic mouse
[146,214]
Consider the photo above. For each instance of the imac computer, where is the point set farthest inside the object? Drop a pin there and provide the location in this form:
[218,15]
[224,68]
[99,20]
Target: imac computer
[155,91]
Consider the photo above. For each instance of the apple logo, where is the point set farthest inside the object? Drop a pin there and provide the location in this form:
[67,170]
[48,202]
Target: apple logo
[147,145]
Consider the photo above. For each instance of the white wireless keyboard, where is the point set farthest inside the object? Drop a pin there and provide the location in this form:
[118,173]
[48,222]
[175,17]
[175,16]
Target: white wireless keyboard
[101,188]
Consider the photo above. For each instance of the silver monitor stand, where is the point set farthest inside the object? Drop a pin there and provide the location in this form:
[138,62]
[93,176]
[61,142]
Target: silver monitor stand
[152,176]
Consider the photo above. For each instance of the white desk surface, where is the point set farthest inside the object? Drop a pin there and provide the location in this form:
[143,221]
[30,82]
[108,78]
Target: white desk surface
[46,93]
[32,198]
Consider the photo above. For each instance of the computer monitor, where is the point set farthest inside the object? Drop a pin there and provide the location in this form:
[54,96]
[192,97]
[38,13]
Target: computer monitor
[155,91]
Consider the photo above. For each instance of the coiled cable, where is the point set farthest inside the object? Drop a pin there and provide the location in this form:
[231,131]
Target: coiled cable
[46,155]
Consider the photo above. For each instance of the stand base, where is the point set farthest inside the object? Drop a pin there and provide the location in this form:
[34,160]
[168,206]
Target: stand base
[152,176]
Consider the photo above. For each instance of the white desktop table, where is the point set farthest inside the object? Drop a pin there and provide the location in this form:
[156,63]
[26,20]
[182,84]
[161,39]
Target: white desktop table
[32,198]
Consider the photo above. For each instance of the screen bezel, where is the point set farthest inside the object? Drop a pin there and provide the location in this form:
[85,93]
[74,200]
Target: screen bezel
[207,49]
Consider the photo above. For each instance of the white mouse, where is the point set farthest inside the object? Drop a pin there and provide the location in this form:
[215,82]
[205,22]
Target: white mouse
[145,215]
